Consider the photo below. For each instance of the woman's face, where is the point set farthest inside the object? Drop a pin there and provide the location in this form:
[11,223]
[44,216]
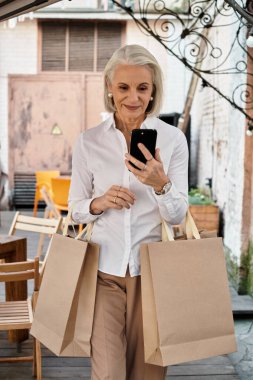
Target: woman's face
[131,87]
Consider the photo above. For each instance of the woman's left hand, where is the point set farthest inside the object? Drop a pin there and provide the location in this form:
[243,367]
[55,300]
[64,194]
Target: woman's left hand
[152,173]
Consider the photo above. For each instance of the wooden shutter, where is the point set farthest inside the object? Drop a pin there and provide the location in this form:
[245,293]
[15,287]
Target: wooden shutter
[53,46]
[81,46]
[109,39]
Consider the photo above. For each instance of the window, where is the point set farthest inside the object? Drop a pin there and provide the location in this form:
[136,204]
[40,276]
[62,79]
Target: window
[78,46]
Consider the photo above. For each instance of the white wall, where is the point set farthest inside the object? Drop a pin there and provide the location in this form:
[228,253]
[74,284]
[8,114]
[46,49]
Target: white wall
[18,55]
[218,141]
[176,77]
[73,4]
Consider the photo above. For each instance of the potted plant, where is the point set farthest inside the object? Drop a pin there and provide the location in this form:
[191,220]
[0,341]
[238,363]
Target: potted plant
[203,209]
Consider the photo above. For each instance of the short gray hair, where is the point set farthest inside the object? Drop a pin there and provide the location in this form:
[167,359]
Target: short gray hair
[135,55]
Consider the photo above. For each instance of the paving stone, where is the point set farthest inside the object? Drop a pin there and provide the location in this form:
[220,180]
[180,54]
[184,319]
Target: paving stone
[243,358]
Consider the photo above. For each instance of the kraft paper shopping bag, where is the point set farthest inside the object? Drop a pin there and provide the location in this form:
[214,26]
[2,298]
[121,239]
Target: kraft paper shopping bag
[64,311]
[186,304]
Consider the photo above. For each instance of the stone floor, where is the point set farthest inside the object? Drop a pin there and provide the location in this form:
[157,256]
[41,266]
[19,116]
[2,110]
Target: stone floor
[243,322]
[243,358]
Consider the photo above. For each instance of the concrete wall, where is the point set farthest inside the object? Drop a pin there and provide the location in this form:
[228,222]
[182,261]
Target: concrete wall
[176,77]
[218,138]
[73,4]
[18,55]
[19,52]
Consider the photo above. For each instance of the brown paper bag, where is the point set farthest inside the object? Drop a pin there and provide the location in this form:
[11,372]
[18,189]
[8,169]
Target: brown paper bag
[64,311]
[186,302]
[189,228]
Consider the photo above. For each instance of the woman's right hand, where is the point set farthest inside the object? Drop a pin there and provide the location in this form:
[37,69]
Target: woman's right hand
[117,197]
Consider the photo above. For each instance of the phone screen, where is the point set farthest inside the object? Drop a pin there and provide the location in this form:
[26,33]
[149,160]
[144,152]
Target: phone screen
[145,136]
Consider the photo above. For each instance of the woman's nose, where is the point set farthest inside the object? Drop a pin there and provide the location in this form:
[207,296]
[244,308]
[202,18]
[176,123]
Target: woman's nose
[133,95]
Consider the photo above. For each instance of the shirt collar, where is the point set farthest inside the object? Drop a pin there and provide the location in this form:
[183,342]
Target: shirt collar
[148,122]
[110,122]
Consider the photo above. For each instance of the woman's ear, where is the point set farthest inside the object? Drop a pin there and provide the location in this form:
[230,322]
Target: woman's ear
[109,86]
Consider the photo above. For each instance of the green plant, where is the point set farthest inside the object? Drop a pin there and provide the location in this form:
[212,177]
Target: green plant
[246,272]
[199,196]
[232,268]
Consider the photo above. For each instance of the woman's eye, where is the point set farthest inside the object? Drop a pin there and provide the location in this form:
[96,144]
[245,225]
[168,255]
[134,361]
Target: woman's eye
[143,88]
[123,88]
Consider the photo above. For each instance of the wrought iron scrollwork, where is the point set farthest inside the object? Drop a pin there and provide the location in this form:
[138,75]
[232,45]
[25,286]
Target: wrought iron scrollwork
[182,28]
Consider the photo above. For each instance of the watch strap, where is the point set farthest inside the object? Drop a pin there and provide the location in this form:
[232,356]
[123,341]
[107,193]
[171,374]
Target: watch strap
[166,188]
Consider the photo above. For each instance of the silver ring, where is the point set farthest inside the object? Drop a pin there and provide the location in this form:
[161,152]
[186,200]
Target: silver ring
[145,167]
[114,201]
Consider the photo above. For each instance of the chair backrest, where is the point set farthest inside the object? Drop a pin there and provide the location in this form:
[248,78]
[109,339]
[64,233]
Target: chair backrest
[60,189]
[50,210]
[21,271]
[43,226]
[34,224]
[45,176]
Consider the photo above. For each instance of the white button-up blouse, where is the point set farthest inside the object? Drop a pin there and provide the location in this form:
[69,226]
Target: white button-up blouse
[98,163]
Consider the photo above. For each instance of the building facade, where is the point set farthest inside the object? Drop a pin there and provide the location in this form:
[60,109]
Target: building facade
[51,88]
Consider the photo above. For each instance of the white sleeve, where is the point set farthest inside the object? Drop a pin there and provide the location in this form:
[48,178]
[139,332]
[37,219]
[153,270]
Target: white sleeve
[81,187]
[174,204]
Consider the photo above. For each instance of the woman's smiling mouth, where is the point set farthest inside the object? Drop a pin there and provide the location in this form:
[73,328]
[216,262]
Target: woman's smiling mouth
[131,108]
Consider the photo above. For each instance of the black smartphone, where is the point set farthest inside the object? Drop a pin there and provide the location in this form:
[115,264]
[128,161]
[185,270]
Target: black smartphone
[145,136]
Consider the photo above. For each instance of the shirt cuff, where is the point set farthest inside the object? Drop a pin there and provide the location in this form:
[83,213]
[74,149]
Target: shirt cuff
[172,205]
[81,211]
[166,196]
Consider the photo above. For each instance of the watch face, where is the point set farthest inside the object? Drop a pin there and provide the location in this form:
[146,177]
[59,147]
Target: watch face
[166,188]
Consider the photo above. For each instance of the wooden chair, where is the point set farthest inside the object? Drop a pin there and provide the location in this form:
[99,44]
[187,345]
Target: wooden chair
[60,192]
[15,315]
[43,226]
[51,211]
[43,178]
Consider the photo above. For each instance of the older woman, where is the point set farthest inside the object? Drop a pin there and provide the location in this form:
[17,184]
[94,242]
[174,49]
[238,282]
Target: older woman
[127,205]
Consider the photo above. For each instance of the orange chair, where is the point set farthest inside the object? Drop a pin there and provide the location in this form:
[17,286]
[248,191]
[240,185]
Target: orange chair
[60,192]
[43,179]
[51,210]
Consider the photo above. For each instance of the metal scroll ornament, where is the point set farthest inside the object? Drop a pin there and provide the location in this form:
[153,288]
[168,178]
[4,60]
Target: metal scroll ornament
[183,28]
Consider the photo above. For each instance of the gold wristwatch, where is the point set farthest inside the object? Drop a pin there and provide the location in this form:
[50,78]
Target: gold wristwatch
[166,188]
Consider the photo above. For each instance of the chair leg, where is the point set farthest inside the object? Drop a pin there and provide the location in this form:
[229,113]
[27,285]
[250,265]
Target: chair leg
[47,213]
[34,358]
[40,244]
[35,204]
[37,359]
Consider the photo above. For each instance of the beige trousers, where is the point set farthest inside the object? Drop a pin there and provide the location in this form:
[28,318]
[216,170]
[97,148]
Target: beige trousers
[117,339]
